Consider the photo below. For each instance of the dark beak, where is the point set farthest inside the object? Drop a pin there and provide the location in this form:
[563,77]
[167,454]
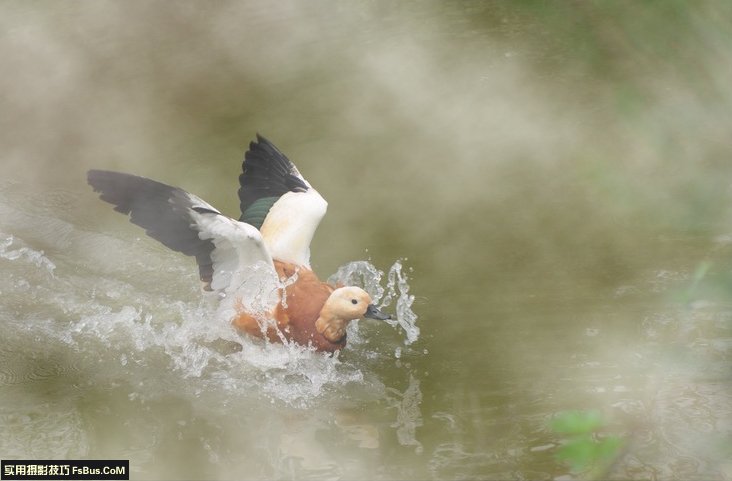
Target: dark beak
[373,312]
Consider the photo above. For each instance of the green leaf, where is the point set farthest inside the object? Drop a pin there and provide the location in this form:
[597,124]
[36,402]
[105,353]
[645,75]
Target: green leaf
[585,453]
[608,448]
[577,422]
[580,453]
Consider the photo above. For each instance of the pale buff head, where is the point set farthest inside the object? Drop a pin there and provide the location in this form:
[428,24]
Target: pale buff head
[344,305]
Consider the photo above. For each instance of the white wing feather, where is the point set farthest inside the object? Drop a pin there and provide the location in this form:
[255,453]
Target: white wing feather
[290,225]
[243,270]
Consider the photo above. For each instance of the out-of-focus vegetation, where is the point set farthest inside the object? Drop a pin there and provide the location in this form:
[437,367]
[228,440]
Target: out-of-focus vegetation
[583,447]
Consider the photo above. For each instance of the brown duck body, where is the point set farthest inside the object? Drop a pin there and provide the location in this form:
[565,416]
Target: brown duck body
[298,311]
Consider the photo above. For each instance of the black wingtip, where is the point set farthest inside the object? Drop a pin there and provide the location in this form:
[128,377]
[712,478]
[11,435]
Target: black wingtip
[267,174]
[270,152]
[160,209]
[258,139]
[93,178]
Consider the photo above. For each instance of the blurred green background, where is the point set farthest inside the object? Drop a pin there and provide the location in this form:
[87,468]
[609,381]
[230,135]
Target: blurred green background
[555,173]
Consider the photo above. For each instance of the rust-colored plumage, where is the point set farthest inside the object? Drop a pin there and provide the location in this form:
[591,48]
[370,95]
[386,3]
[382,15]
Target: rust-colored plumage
[303,301]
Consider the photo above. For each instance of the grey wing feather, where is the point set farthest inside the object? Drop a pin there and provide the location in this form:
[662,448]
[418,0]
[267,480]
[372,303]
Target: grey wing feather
[229,253]
[160,209]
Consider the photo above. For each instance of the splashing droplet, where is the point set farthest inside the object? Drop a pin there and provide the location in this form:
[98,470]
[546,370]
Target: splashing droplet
[368,277]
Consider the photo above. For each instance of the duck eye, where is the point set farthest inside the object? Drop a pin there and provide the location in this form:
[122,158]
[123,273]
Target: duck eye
[354,301]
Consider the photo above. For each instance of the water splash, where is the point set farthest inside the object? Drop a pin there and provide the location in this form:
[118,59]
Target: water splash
[202,347]
[367,276]
[406,318]
[209,354]
[23,253]
[362,274]
[146,319]
[409,415]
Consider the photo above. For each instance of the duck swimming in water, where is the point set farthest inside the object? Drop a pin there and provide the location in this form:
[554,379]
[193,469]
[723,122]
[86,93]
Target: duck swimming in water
[258,265]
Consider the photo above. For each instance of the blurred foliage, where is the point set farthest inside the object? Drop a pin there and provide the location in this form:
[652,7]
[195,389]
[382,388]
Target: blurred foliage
[710,281]
[690,293]
[584,448]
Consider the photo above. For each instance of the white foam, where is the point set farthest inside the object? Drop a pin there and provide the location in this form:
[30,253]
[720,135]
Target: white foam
[10,250]
[143,323]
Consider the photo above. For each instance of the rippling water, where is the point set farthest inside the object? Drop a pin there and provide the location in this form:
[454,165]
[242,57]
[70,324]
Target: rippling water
[110,352]
[539,190]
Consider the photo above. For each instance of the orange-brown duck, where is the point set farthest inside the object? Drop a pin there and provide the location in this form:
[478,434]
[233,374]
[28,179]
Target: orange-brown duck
[258,265]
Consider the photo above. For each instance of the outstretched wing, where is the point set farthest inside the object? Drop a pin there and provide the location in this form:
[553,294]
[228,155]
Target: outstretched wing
[278,200]
[226,250]
[267,174]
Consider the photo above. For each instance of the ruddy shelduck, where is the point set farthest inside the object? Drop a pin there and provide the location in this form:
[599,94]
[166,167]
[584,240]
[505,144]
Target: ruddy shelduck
[259,265]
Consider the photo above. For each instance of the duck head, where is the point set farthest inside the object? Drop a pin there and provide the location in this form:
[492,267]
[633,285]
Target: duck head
[344,305]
